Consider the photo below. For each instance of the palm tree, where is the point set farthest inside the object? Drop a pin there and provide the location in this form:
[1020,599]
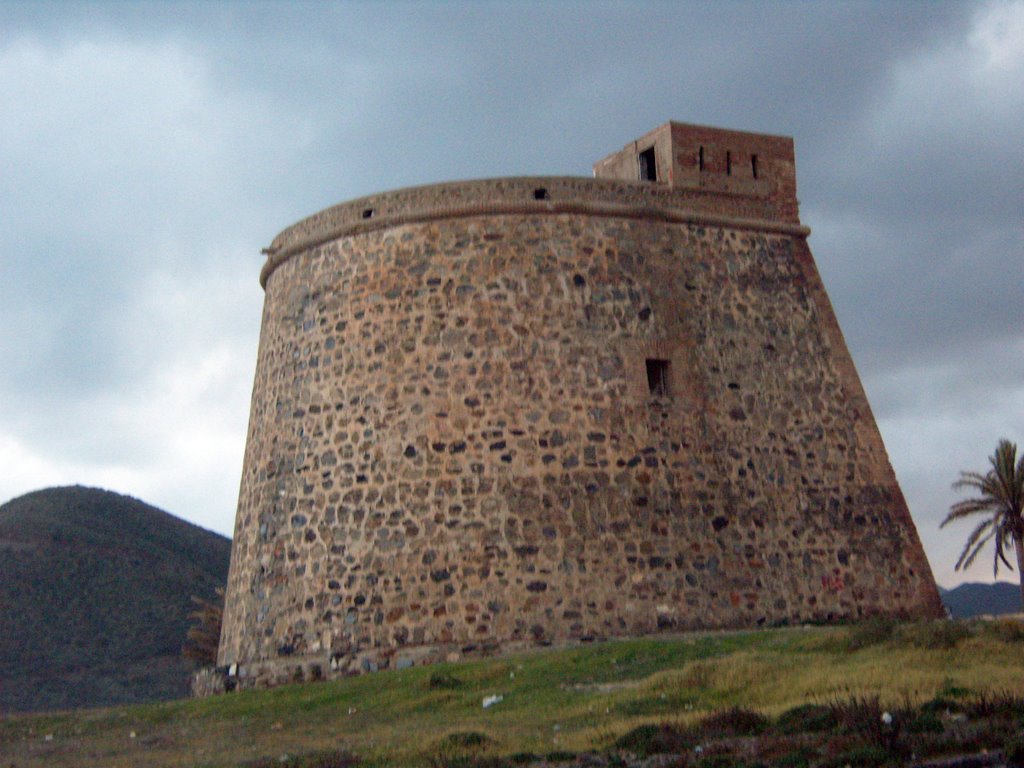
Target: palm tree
[1000,496]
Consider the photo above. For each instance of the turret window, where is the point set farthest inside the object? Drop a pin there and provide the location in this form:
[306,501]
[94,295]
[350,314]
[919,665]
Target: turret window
[648,167]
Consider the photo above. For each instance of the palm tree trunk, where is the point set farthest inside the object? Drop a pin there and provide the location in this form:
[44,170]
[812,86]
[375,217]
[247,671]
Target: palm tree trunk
[1018,544]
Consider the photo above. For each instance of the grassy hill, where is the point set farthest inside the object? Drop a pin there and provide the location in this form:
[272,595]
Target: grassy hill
[800,698]
[94,598]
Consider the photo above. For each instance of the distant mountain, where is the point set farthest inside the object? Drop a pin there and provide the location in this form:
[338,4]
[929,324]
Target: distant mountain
[95,594]
[982,599]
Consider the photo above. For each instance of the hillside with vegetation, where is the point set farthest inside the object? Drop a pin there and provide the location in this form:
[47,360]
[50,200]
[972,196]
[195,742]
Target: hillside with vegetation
[95,591]
[969,600]
[878,694]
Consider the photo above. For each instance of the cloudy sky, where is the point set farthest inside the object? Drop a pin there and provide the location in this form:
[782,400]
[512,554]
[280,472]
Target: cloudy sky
[149,151]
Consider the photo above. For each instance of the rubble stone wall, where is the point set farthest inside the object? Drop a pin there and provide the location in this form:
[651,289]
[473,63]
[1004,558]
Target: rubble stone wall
[455,446]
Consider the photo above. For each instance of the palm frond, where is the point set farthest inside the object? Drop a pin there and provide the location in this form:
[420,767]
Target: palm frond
[975,543]
[999,496]
[967,557]
[1004,458]
[999,556]
[1018,487]
[1008,471]
[968,507]
[970,480]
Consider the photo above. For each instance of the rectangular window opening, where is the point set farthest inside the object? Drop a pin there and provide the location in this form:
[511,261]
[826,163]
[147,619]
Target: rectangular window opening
[648,168]
[753,165]
[657,377]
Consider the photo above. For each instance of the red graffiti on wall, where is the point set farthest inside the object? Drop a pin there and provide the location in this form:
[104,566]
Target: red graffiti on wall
[832,582]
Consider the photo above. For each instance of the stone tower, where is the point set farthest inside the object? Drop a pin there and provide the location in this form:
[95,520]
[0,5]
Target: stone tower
[497,413]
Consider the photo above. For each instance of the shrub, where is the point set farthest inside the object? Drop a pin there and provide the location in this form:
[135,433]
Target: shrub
[522,758]
[785,752]
[1003,704]
[1007,630]
[941,705]
[1013,752]
[858,715]
[559,756]
[444,681]
[800,757]
[807,718]
[465,740]
[925,722]
[639,739]
[866,756]
[203,637]
[978,736]
[935,635]
[452,758]
[329,759]
[651,739]
[719,761]
[925,745]
[733,722]
[871,632]
[874,725]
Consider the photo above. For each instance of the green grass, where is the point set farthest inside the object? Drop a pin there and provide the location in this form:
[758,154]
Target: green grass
[555,701]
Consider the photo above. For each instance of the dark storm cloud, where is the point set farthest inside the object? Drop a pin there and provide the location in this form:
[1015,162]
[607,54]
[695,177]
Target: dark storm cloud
[157,147]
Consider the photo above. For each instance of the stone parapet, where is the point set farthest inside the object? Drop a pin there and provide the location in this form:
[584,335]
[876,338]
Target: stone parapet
[525,195]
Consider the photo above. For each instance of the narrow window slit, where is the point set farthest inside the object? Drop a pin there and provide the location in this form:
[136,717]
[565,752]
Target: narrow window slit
[657,377]
[700,158]
[753,165]
[728,163]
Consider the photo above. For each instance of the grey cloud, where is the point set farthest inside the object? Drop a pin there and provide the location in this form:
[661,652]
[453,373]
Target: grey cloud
[136,202]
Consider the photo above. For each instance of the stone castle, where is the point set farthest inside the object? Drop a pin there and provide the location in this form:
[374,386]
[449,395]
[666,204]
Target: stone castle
[492,414]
